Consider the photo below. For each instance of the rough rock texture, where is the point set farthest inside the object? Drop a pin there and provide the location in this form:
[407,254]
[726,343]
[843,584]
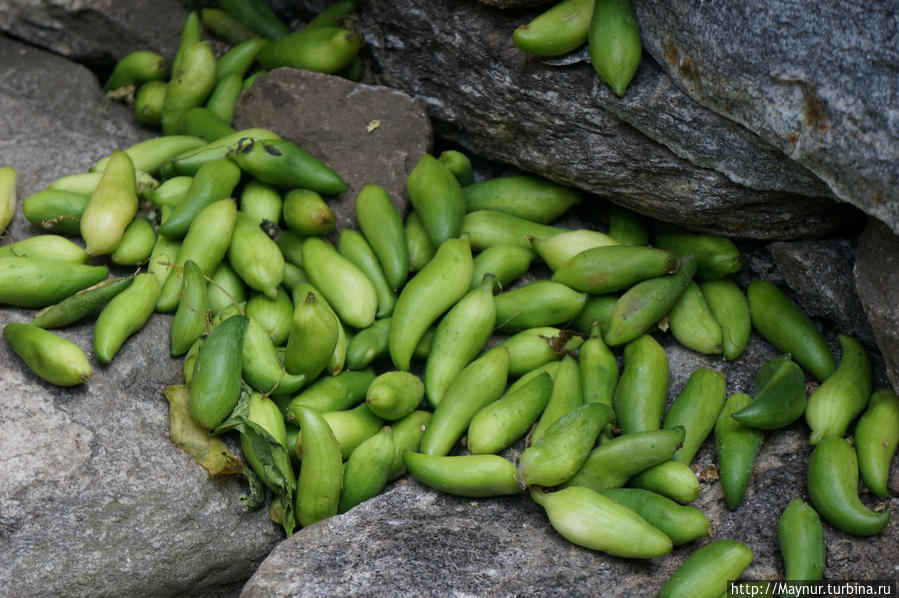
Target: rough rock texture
[762,66]
[412,540]
[513,3]
[37,122]
[654,151]
[820,274]
[94,498]
[877,284]
[367,134]
[97,32]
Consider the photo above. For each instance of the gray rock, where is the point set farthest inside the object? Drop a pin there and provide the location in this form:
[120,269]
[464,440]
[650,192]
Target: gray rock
[504,4]
[820,274]
[96,32]
[640,152]
[761,66]
[877,284]
[37,121]
[412,540]
[94,498]
[367,134]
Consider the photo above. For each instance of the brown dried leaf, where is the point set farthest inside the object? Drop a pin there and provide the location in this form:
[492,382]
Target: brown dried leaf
[208,450]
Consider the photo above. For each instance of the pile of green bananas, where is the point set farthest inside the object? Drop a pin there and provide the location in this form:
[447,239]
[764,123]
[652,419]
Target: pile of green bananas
[353,364]
[199,97]
[608,26]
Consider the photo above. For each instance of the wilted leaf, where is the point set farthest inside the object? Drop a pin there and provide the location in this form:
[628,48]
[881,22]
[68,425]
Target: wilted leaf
[208,450]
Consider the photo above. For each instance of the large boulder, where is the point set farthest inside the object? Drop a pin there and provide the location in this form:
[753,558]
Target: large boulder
[877,283]
[656,150]
[94,498]
[96,32]
[816,81]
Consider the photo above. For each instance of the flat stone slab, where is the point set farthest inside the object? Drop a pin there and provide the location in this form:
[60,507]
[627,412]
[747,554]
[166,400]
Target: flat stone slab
[366,133]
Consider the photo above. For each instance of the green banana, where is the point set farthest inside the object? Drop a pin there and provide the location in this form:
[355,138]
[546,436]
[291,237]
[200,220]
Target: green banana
[496,426]
[539,303]
[642,390]
[613,463]
[478,385]
[780,396]
[467,475]
[346,288]
[381,223]
[565,445]
[594,521]
[610,268]
[842,396]
[436,196]
[788,328]
[800,537]
[876,438]
[332,393]
[832,481]
[460,336]
[112,206]
[567,395]
[557,31]
[432,291]
[394,395]
[730,309]
[57,360]
[559,249]
[125,314]
[644,304]
[367,469]
[191,318]
[738,446]
[696,408]
[525,196]
[681,523]
[693,324]
[707,571]
[321,473]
